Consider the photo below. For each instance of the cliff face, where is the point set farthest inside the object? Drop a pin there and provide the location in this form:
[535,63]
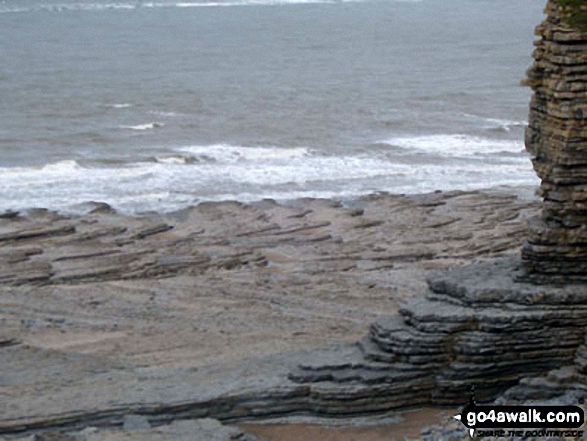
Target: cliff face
[556,138]
[574,13]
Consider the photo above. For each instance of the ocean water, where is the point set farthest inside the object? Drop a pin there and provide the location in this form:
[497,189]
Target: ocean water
[156,105]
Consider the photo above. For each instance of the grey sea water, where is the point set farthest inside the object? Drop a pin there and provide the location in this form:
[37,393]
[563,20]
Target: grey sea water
[155,105]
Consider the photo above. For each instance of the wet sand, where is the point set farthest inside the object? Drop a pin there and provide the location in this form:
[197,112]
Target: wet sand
[410,426]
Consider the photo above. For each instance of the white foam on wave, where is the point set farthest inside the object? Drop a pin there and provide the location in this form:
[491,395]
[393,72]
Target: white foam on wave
[164,113]
[456,145]
[505,125]
[119,106]
[173,159]
[56,167]
[148,126]
[225,153]
[506,122]
[217,172]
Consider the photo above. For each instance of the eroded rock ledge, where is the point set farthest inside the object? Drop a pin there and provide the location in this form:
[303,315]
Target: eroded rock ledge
[476,326]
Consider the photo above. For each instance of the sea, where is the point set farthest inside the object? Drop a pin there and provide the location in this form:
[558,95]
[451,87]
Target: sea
[161,104]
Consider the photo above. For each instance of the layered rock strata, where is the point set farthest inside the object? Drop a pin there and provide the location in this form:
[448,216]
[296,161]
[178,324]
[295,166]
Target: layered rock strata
[556,250]
[475,327]
[176,316]
[140,430]
[563,386]
[370,235]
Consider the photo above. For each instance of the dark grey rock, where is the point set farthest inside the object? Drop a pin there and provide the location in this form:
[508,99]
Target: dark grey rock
[135,422]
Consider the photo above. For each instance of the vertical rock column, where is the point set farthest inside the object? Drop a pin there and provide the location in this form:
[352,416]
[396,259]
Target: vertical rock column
[556,250]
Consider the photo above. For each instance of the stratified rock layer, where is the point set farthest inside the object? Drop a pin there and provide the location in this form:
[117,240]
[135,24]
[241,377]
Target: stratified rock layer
[560,387]
[204,429]
[176,316]
[475,327]
[557,140]
[87,342]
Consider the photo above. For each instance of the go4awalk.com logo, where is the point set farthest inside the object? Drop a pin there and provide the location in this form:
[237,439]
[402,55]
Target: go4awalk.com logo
[529,421]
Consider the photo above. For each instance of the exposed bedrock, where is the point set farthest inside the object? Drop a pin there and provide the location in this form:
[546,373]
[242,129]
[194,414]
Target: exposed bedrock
[563,386]
[138,428]
[206,312]
[476,326]
[556,138]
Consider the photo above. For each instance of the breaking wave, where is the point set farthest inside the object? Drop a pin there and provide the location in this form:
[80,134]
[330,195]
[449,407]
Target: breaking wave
[193,174]
[148,126]
[456,145]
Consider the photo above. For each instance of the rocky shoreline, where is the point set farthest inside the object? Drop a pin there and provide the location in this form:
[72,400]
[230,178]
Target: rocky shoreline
[207,312]
[166,326]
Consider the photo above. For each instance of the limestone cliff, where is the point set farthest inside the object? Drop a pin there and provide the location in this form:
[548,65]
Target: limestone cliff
[556,138]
